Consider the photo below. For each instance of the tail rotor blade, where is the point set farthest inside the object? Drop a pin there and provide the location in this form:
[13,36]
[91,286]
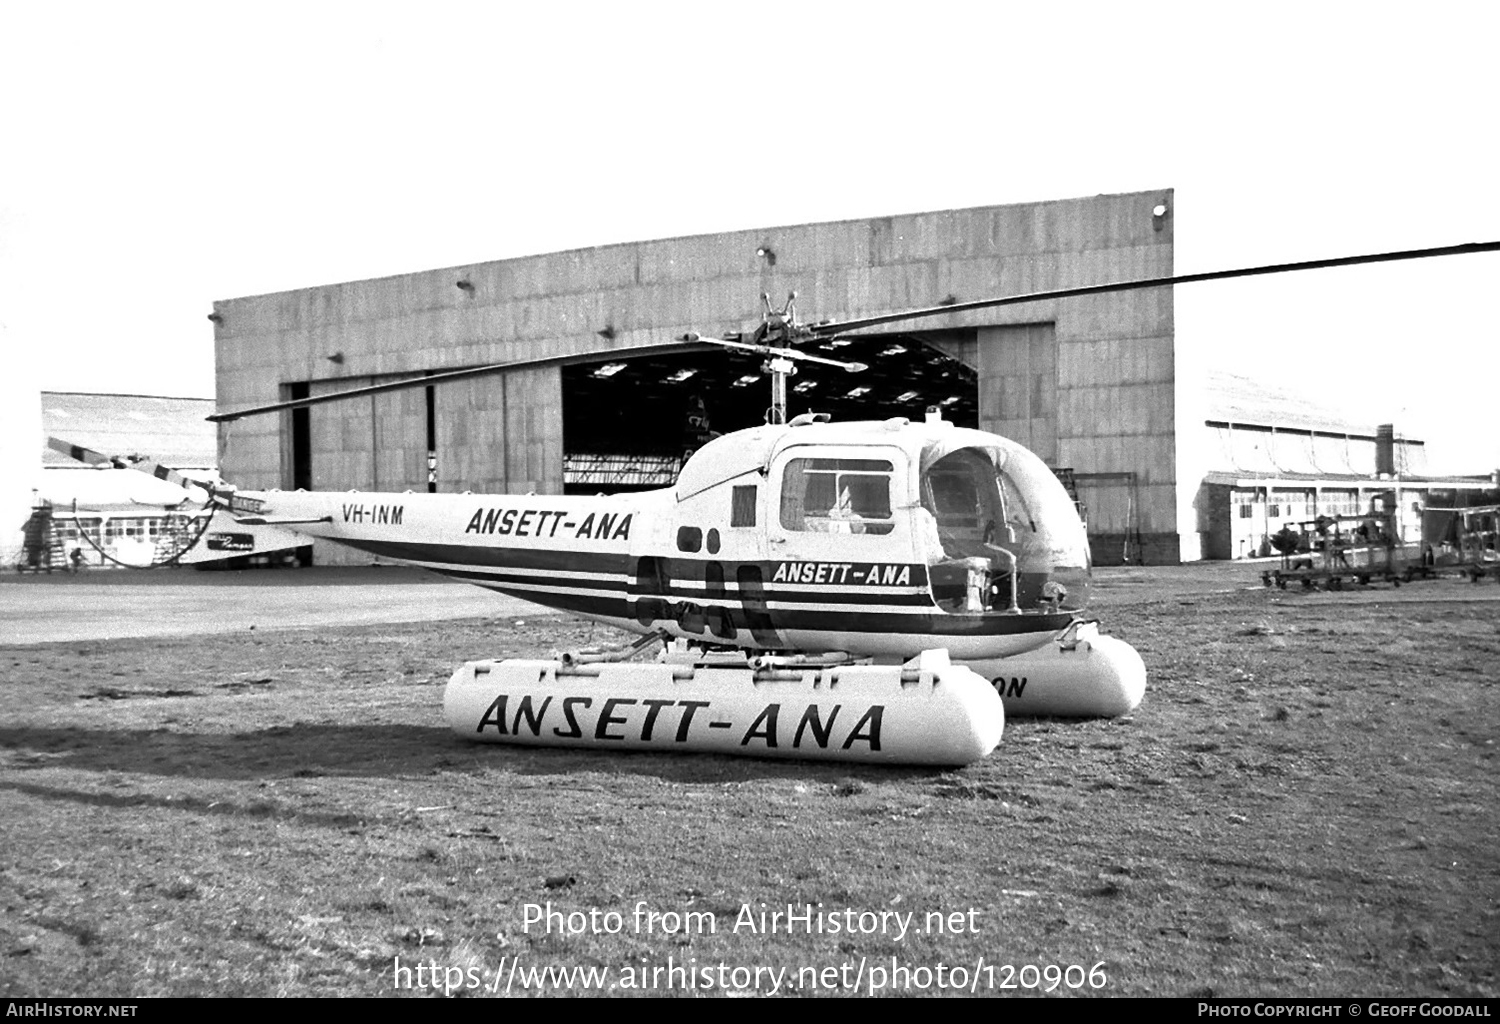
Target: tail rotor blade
[147,466]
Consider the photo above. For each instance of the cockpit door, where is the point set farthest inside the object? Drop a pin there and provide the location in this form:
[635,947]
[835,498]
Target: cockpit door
[841,511]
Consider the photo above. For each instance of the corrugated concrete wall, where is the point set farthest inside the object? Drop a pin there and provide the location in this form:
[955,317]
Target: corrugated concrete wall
[1087,381]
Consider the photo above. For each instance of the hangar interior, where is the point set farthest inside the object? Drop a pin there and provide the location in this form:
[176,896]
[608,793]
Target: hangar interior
[628,424]
[1089,384]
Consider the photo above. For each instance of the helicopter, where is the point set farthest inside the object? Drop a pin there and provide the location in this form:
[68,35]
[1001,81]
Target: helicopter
[884,590]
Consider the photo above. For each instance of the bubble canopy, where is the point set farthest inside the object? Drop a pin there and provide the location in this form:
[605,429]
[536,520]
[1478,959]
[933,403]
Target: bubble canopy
[993,499]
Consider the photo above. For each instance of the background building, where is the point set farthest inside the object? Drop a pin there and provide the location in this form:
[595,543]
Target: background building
[122,514]
[1279,459]
[1089,384]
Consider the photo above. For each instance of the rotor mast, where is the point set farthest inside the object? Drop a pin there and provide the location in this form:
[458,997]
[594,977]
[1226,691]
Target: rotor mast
[779,327]
[777,330]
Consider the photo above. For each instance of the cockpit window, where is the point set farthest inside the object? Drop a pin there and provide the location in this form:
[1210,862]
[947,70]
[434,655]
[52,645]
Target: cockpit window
[837,496]
[998,508]
[962,492]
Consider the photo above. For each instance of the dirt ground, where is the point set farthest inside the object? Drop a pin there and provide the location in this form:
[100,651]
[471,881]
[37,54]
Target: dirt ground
[1305,804]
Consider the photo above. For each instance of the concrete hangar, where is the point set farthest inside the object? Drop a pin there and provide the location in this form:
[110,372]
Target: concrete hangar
[1092,385]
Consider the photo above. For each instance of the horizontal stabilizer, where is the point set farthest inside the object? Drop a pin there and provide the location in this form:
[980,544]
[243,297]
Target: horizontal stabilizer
[279,520]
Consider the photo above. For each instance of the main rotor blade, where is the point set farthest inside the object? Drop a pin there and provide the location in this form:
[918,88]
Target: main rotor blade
[828,328]
[633,352]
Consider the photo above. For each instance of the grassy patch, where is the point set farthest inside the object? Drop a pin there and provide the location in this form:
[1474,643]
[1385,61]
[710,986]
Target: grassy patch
[1304,805]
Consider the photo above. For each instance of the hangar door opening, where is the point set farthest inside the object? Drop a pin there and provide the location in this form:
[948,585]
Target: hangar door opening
[628,425]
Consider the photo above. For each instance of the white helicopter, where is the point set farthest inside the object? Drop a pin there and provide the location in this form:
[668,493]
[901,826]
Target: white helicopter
[881,591]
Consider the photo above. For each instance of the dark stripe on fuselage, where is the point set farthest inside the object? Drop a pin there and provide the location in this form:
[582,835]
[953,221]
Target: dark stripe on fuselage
[553,560]
[832,595]
[873,620]
[934,623]
[679,571]
[910,612]
[731,593]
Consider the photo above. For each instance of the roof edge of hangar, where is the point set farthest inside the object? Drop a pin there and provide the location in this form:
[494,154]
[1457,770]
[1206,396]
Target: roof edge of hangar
[753,230]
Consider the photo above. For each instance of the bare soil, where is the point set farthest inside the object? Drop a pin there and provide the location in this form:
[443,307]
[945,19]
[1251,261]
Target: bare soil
[1305,804]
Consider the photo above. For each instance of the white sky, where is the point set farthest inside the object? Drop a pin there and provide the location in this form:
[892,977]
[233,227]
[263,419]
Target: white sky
[157,157]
